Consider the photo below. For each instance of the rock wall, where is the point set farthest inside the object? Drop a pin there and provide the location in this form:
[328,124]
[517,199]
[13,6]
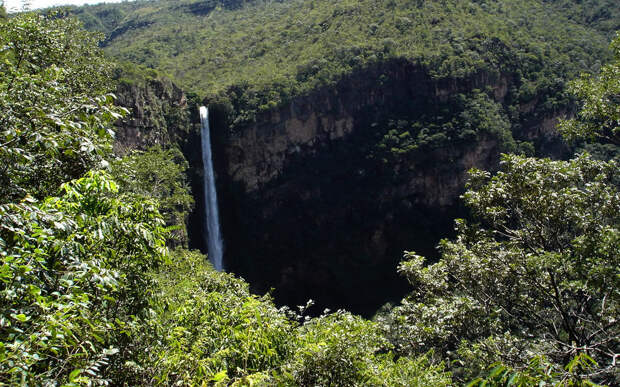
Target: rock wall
[259,152]
[309,212]
[159,113]
[306,208]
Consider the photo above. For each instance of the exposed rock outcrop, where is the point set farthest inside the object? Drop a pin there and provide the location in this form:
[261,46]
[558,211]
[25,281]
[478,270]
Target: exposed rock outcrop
[158,114]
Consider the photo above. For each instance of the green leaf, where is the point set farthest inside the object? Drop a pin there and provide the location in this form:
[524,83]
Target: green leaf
[474,382]
[496,371]
[20,317]
[220,376]
[511,380]
[74,374]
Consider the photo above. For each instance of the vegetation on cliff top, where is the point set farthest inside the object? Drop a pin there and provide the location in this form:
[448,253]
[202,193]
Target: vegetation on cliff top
[262,54]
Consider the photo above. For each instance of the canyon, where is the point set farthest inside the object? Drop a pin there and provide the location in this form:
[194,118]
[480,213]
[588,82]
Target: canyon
[309,208]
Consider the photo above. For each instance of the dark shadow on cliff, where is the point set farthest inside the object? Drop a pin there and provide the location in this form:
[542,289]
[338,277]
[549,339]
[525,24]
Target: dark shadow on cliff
[333,226]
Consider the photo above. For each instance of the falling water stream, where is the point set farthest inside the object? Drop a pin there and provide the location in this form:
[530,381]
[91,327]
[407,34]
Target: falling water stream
[215,244]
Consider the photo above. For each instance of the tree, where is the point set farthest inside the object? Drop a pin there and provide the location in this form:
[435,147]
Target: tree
[72,280]
[55,109]
[538,274]
[159,174]
[73,250]
[599,117]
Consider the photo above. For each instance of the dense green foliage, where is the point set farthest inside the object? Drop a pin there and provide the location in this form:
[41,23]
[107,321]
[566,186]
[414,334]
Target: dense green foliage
[210,328]
[603,15]
[72,278]
[599,117]
[537,275]
[72,263]
[472,118]
[89,293]
[534,285]
[105,18]
[159,174]
[263,54]
[54,105]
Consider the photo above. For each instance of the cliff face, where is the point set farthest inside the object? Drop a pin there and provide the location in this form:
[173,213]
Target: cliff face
[158,114]
[308,205]
[310,210]
[306,125]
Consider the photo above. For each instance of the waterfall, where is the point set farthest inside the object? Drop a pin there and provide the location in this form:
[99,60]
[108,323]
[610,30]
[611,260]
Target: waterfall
[214,238]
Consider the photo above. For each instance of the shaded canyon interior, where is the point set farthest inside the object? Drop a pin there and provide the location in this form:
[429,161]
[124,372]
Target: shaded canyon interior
[309,207]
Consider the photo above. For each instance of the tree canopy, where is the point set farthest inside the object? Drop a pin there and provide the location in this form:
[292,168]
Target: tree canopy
[55,106]
[533,283]
[264,53]
[537,274]
[527,293]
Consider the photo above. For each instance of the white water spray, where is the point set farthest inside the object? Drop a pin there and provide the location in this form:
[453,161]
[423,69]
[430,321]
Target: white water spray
[215,244]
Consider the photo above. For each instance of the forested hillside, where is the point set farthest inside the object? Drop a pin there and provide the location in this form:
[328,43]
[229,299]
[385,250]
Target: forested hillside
[327,108]
[356,121]
[600,14]
[271,51]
